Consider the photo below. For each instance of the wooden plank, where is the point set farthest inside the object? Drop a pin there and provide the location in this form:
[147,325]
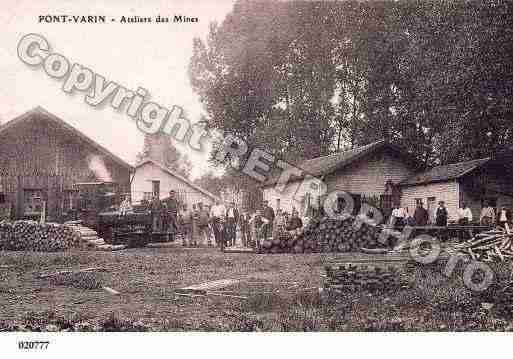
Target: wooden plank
[92,269]
[238,250]
[226,295]
[110,290]
[162,244]
[203,288]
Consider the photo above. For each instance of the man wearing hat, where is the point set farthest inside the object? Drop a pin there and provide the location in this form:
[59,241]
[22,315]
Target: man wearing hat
[268,214]
[171,205]
[441,215]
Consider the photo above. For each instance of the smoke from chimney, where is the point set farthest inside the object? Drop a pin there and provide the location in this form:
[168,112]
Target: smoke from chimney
[99,169]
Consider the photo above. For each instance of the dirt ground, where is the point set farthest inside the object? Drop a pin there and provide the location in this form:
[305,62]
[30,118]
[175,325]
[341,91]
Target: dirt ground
[275,292]
[147,279]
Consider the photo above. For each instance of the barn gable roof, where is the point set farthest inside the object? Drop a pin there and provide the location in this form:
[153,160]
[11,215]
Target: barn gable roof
[445,173]
[27,116]
[325,165]
[181,178]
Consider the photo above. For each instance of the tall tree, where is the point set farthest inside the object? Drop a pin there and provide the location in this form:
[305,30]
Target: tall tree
[303,79]
[160,148]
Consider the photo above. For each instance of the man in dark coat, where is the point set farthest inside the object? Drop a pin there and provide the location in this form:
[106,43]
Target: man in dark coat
[268,214]
[441,215]
[156,209]
[232,218]
[171,204]
[421,216]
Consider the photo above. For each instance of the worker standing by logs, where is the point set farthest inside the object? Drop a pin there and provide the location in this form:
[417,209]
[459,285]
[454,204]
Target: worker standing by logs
[232,218]
[464,215]
[268,214]
[398,217]
[503,217]
[156,214]
[171,206]
[245,228]
[421,216]
[203,230]
[186,226]
[441,215]
[257,229]
[294,224]
[217,214]
[194,226]
[487,217]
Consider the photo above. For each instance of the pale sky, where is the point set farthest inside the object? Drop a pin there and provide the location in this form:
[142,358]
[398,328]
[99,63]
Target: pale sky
[154,56]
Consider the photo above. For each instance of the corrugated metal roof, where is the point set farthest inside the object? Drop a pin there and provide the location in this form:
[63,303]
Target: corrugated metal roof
[445,172]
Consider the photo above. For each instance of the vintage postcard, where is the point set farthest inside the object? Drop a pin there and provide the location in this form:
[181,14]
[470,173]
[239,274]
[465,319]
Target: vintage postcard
[254,166]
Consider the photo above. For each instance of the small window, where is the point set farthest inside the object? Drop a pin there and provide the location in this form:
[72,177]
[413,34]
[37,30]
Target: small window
[155,185]
[147,196]
[278,204]
[489,201]
[357,198]
[431,202]
[70,200]
[33,201]
[418,201]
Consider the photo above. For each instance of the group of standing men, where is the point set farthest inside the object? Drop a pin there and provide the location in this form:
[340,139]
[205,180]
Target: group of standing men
[199,223]
[226,221]
[164,214]
[401,217]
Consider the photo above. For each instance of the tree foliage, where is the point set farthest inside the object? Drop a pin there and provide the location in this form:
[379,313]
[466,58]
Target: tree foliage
[160,148]
[304,79]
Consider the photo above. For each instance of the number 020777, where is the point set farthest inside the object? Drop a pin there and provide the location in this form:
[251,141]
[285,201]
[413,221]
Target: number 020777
[33,345]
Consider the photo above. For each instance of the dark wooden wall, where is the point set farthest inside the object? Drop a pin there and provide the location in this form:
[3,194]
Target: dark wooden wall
[40,154]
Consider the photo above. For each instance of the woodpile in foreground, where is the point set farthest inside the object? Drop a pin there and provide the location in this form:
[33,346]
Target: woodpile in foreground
[33,236]
[343,276]
[489,246]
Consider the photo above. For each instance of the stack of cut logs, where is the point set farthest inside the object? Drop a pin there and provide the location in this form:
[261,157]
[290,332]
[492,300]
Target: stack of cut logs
[341,235]
[347,276]
[282,242]
[489,246]
[327,235]
[33,236]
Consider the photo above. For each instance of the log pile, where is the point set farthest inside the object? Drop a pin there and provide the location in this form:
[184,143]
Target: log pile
[33,236]
[504,301]
[490,246]
[329,235]
[282,242]
[341,277]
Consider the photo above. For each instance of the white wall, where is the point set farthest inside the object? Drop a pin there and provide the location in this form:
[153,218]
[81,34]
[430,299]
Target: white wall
[370,175]
[445,191]
[367,176]
[148,172]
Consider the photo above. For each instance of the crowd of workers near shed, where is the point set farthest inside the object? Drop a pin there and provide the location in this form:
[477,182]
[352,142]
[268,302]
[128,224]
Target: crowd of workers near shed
[202,225]
[420,217]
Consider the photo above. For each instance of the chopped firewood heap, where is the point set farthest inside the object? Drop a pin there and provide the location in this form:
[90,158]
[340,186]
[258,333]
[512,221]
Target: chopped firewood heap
[490,246]
[328,235]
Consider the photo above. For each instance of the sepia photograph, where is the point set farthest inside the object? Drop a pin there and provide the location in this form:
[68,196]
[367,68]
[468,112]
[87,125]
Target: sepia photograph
[192,168]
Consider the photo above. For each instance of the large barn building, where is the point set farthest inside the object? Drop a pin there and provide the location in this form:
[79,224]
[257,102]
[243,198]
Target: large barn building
[42,158]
